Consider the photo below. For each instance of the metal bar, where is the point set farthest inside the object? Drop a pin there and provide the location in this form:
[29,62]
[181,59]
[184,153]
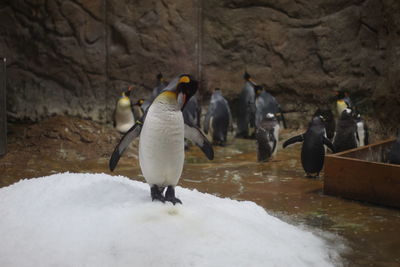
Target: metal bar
[199,44]
[3,110]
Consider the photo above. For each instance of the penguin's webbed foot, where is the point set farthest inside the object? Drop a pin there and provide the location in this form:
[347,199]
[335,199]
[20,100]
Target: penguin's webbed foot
[170,196]
[157,193]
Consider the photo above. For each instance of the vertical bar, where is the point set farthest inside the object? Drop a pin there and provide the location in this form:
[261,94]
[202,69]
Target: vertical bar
[199,43]
[107,61]
[3,110]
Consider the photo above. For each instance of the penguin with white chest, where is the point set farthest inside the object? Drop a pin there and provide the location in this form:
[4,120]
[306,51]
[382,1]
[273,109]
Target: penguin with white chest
[312,151]
[161,143]
[267,136]
[362,130]
[123,115]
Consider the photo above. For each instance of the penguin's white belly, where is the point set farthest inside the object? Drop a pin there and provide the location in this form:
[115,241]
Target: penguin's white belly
[361,133]
[276,135]
[124,120]
[161,146]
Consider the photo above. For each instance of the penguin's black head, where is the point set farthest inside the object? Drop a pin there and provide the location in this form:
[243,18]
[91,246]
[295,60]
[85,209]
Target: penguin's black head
[140,102]
[246,76]
[185,89]
[258,89]
[342,94]
[318,120]
[159,76]
[326,114]
[128,92]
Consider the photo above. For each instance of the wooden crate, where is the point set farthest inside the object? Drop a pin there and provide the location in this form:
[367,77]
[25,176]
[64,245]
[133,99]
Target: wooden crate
[362,174]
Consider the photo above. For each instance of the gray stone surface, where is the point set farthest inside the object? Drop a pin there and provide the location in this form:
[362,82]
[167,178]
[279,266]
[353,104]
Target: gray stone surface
[75,56]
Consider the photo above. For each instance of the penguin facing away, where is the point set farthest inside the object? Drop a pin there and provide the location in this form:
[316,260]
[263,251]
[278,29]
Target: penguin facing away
[266,103]
[123,116]
[161,143]
[267,136]
[346,132]
[246,115]
[218,118]
[394,156]
[312,150]
[192,112]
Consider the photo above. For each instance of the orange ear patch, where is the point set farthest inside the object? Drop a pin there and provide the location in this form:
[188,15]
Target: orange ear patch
[184,79]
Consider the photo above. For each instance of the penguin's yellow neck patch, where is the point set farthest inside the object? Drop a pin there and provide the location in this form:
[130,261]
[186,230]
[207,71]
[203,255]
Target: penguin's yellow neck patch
[168,96]
[124,102]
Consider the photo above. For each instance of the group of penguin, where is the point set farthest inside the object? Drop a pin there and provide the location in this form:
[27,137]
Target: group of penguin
[348,132]
[173,115]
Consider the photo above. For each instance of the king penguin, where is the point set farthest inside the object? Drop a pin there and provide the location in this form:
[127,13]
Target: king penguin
[161,134]
[192,112]
[138,111]
[343,101]
[267,136]
[247,108]
[218,118]
[346,132]
[266,103]
[123,115]
[312,151]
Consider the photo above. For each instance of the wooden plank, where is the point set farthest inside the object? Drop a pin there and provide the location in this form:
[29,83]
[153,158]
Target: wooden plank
[363,180]
[3,116]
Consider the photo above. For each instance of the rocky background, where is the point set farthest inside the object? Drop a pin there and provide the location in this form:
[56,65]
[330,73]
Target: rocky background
[74,57]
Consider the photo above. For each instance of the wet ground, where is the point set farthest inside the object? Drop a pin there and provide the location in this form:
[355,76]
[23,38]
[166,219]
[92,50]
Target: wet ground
[371,233]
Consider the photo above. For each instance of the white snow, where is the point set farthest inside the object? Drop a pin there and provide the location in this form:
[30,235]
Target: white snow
[98,220]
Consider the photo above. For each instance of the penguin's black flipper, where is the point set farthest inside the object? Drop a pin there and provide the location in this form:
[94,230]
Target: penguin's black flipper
[294,139]
[283,118]
[328,143]
[124,143]
[195,135]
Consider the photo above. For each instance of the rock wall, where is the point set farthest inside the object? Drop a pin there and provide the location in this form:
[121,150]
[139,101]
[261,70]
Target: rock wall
[75,56]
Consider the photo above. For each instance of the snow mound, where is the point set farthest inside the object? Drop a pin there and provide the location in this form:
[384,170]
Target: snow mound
[97,220]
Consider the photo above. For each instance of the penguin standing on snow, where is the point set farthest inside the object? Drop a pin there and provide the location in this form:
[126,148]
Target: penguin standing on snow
[346,132]
[362,130]
[218,118]
[394,156]
[161,84]
[267,136]
[312,151]
[343,101]
[247,108]
[123,116]
[161,143]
